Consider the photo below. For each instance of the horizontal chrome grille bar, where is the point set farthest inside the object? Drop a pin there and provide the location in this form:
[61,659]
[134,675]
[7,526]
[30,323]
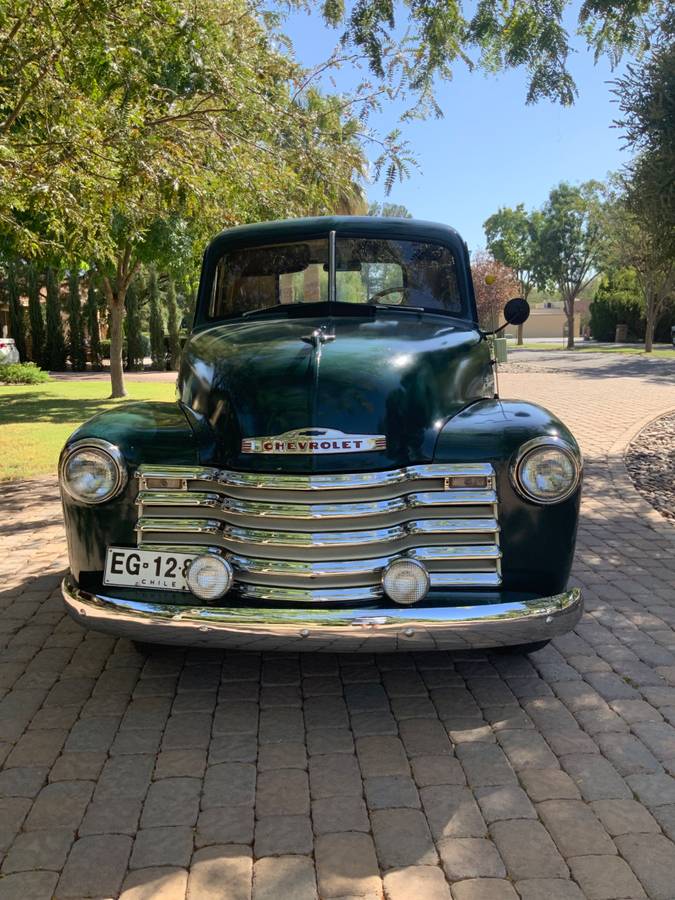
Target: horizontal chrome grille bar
[273,481]
[283,533]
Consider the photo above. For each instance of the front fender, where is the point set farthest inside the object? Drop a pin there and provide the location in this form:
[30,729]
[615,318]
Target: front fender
[537,542]
[150,433]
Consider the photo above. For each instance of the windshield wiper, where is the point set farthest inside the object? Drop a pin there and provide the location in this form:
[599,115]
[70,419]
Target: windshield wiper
[262,309]
[390,307]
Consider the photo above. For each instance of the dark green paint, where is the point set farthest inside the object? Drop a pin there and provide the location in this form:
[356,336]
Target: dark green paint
[423,380]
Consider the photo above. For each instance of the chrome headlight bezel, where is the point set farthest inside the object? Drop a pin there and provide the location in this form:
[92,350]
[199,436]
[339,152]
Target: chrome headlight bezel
[111,452]
[525,452]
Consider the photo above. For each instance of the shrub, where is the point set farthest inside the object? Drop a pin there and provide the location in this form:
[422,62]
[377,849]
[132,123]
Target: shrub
[23,373]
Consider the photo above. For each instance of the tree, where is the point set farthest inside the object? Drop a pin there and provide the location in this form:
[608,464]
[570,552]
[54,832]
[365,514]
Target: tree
[92,310]
[55,345]
[570,243]
[17,320]
[396,210]
[157,349]
[76,348]
[173,325]
[133,328]
[493,284]
[635,241]
[512,239]
[36,317]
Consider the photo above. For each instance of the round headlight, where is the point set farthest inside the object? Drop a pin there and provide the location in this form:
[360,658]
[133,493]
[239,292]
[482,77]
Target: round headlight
[546,471]
[405,581]
[209,577]
[93,471]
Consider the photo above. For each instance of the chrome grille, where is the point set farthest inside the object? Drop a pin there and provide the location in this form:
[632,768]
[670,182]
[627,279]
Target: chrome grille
[326,538]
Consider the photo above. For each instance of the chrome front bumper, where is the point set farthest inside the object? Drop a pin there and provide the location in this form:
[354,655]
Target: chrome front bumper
[337,630]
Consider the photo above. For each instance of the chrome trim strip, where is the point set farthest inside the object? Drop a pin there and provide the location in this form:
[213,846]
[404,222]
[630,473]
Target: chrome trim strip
[180,526]
[274,481]
[465,579]
[112,450]
[402,628]
[336,596]
[201,499]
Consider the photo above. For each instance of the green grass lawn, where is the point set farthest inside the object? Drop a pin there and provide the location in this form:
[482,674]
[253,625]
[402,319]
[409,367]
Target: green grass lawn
[593,348]
[35,420]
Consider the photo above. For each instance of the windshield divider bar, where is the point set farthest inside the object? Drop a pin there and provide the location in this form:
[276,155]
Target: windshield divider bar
[332,282]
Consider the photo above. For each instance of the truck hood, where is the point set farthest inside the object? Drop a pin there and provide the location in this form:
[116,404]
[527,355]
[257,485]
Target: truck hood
[398,376]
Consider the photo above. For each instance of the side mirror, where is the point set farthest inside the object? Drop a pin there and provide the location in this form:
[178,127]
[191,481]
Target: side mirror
[517,311]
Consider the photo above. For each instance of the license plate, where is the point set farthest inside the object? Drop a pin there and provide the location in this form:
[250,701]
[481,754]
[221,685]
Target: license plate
[147,568]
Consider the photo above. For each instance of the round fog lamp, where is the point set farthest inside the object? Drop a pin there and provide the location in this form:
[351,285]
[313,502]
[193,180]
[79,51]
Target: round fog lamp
[209,577]
[405,581]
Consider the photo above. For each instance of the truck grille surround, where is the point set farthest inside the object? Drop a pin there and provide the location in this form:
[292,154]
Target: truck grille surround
[327,538]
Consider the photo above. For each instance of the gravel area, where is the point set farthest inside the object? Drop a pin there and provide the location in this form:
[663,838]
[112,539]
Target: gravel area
[650,461]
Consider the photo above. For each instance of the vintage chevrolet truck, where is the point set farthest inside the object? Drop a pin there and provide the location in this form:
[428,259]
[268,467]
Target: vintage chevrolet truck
[337,472]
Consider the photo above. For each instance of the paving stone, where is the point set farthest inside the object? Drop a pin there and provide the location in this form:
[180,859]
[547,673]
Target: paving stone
[625,817]
[13,811]
[548,889]
[485,764]
[595,777]
[605,877]
[221,873]
[366,698]
[95,734]
[390,792]
[112,816]
[282,835]
[236,717]
[423,737]
[653,790]
[37,748]
[527,849]
[77,766]
[503,802]
[636,711]
[657,737]
[483,889]
[46,849]
[22,782]
[334,814]
[233,748]
[470,858]
[526,750]
[283,724]
[452,812]
[225,825]
[628,754]
[284,876]
[652,858]
[60,805]
[149,884]
[165,846]
[95,867]
[229,784]
[136,742]
[334,775]
[180,763]
[420,882]
[548,784]
[36,885]
[282,792]
[329,740]
[402,838]
[325,712]
[172,801]
[366,724]
[346,865]
[430,770]
[665,816]
[381,756]
[574,828]
[290,755]
[125,777]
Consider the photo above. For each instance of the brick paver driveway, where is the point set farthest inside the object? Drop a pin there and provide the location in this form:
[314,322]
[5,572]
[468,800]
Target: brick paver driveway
[489,776]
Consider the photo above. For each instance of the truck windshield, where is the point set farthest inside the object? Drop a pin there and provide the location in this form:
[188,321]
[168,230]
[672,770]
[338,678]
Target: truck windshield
[394,273]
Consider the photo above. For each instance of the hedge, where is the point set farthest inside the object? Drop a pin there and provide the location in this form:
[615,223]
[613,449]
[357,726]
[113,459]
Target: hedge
[22,373]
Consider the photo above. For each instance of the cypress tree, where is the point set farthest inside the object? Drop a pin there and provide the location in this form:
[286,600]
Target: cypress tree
[157,350]
[132,324]
[55,345]
[76,349]
[37,321]
[17,320]
[173,325]
[93,326]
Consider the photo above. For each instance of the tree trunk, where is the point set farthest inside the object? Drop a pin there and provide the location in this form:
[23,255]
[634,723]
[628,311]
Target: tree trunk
[519,338]
[650,321]
[569,310]
[116,345]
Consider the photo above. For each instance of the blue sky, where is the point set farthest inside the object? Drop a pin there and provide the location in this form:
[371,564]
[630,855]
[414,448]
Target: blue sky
[490,149]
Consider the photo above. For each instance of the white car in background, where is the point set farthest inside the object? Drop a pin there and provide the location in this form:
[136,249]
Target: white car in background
[8,351]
